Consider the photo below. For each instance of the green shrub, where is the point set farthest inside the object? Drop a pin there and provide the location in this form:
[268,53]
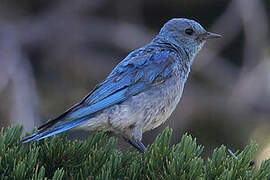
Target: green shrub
[97,158]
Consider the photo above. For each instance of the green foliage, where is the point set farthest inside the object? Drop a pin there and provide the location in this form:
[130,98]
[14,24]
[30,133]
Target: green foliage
[97,158]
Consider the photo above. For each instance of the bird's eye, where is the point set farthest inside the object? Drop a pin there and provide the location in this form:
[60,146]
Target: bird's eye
[189,31]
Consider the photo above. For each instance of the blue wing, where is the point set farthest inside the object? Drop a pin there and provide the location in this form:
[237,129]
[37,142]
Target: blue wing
[136,73]
[130,77]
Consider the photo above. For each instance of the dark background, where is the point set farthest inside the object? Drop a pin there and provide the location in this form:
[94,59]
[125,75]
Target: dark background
[52,53]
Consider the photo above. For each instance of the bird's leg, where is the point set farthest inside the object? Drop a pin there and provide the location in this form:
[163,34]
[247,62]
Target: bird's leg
[137,144]
[135,140]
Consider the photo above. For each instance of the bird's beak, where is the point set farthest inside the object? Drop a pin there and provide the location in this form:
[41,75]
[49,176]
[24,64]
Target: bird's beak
[209,35]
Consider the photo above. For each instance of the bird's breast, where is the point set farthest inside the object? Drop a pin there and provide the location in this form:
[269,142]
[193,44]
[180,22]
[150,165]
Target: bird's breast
[162,101]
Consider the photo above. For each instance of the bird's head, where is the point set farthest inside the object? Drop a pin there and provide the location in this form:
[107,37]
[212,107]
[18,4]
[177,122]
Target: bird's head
[186,34]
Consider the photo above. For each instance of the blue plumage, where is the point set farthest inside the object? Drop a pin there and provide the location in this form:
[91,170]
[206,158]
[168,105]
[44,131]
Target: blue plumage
[142,90]
[55,130]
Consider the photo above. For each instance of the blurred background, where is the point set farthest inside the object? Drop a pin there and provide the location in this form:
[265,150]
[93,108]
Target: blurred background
[53,52]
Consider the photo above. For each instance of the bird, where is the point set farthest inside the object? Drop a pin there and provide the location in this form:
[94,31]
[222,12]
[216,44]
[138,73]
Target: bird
[141,92]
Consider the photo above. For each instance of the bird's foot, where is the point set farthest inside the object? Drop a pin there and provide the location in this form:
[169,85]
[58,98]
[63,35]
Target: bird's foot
[137,144]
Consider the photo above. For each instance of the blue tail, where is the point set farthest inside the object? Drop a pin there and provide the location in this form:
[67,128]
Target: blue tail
[54,129]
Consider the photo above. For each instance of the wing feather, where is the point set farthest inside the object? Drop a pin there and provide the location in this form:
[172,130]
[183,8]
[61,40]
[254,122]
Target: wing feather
[128,79]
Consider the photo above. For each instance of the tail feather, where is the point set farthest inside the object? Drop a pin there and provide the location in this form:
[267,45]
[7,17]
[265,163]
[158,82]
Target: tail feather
[29,138]
[54,129]
[57,125]
[59,118]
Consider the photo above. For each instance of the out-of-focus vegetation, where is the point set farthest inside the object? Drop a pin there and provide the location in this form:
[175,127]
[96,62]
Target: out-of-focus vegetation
[52,53]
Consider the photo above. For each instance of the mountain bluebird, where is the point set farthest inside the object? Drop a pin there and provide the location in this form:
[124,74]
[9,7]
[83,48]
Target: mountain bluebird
[142,90]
